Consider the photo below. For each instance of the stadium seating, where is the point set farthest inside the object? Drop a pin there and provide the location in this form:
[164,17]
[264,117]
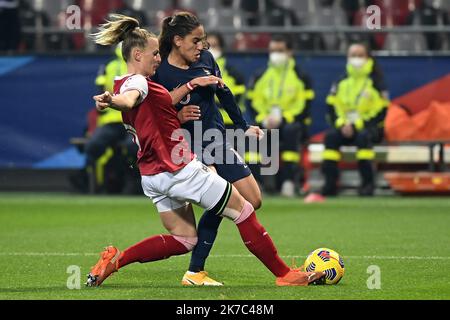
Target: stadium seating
[51,8]
[224,16]
[411,42]
[397,11]
[152,7]
[216,14]
[200,7]
[329,15]
[302,9]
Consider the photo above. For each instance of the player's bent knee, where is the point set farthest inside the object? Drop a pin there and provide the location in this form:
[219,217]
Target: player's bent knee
[188,242]
[256,203]
[239,209]
[255,199]
[233,205]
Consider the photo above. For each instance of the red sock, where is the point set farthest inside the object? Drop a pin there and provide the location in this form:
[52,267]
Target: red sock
[260,244]
[152,249]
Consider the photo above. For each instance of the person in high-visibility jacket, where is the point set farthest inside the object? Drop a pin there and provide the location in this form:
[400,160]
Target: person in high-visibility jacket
[280,98]
[110,131]
[105,82]
[357,108]
[232,78]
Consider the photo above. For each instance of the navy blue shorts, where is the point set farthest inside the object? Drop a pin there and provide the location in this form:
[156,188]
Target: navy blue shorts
[231,171]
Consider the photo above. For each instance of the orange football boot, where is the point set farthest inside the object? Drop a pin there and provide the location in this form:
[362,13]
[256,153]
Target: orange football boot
[108,264]
[295,277]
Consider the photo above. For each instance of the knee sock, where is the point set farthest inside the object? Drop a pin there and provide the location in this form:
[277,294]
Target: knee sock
[156,248]
[207,232]
[258,241]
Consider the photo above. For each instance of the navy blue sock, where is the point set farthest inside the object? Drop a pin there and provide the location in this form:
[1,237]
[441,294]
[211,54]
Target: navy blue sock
[207,232]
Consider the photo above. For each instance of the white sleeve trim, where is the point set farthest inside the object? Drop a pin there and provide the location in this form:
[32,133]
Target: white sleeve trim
[136,82]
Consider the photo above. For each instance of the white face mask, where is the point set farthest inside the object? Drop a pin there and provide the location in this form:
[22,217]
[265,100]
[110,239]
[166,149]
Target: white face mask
[278,58]
[215,53]
[357,62]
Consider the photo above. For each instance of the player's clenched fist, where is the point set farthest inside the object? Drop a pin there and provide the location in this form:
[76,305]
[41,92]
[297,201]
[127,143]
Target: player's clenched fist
[254,131]
[103,101]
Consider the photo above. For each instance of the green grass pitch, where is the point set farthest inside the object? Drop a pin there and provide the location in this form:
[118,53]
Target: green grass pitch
[407,238]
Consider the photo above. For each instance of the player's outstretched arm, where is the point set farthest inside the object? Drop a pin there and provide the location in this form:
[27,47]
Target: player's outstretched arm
[179,93]
[122,102]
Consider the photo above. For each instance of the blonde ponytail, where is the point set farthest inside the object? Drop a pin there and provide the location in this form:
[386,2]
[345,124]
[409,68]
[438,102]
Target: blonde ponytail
[122,28]
[115,30]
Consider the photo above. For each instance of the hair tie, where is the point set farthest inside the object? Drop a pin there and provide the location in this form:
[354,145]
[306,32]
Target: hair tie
[126,31]
[172,22]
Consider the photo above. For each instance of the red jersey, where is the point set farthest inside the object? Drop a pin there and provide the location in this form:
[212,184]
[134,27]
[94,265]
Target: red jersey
[152,123]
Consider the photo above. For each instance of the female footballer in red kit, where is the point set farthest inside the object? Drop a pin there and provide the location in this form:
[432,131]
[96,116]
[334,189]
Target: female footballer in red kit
[171,175]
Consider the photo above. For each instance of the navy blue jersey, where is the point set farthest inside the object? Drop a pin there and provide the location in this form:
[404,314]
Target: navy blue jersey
[172,77]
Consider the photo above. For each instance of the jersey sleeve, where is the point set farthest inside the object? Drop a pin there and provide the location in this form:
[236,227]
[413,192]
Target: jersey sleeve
[228,101]
[136,82]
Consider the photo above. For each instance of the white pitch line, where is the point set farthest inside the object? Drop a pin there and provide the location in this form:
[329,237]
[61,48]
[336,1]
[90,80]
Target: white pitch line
[47,254]
[347,257]
[86,254]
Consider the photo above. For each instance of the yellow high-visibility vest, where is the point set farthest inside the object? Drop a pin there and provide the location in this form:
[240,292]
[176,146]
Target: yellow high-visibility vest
[356,99]
[115,68]
[280,87]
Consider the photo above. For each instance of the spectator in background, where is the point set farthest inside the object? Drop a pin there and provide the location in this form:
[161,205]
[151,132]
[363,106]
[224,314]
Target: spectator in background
[133,11]
[34,16]
[276,15]
[428,13]
[110,132]
[37,19]
[351,7]
[357,108]
[280,98]
[357,15]
[9,25]
[251,11]
[174,8]
[269,12]
[265,13]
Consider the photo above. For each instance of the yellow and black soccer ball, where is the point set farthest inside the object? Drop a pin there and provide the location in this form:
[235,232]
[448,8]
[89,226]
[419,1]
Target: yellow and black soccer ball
[328,261]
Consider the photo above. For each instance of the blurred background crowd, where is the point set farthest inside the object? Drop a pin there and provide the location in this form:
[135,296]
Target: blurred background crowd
[40,25]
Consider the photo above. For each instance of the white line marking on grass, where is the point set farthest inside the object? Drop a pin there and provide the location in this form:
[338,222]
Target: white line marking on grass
[397,258]
[345,257]
[89,254]
[47,254]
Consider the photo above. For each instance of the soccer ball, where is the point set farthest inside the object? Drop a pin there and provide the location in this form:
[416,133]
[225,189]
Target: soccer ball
[328,261]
